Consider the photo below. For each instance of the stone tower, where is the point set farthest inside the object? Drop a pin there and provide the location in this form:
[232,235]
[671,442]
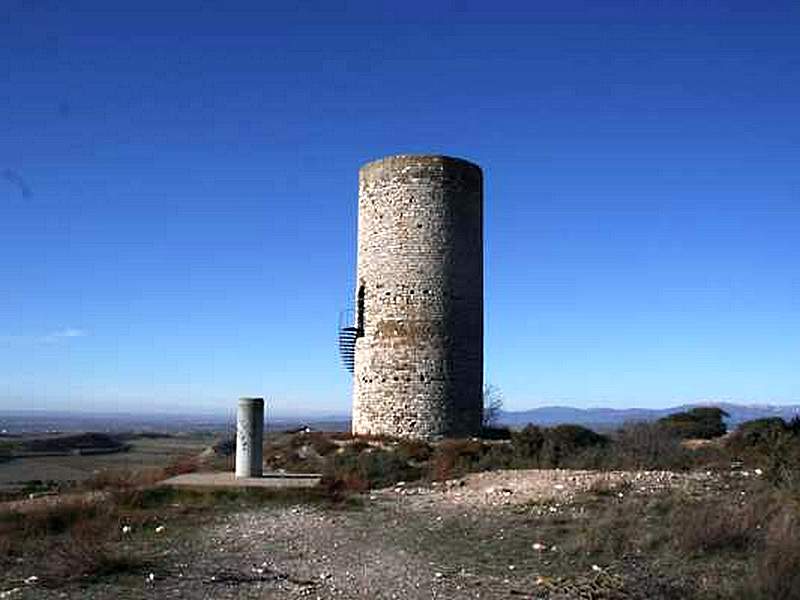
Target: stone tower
[419,298]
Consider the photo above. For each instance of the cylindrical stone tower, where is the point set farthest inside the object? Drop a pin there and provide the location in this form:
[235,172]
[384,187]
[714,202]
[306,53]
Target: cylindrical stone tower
[419,298]
[250,437]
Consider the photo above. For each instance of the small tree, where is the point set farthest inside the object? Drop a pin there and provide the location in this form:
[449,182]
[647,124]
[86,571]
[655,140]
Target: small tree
[492,405]
[702,423]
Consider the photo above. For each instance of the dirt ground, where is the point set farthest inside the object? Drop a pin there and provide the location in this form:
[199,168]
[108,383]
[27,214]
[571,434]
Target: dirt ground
[488,535]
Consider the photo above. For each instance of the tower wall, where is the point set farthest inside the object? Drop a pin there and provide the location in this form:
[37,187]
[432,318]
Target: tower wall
[419,352]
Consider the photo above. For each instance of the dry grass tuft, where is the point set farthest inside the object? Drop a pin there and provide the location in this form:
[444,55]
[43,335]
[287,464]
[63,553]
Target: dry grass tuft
[777,572]
[704,527]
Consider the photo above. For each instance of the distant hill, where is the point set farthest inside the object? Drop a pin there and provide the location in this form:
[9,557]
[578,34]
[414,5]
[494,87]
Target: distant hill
[14,424]
[609,418]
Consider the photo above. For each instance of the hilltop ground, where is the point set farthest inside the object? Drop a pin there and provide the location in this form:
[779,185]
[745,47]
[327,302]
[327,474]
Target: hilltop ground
[715,528]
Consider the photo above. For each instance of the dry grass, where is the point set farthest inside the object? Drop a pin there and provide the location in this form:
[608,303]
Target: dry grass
[719,526]
[777,572]
[70,539]
[731,547]
[453,458]
[124,478]
[85,536]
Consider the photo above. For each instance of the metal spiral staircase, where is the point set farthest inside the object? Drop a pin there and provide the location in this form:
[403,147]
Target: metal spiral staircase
[347,339]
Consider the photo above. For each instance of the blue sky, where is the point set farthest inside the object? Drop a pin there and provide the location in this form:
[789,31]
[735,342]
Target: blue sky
[179,184]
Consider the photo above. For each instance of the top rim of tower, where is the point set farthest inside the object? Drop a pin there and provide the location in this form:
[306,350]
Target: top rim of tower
[416,158]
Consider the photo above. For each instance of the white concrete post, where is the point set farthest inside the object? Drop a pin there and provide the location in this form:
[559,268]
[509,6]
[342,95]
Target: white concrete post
[249,437]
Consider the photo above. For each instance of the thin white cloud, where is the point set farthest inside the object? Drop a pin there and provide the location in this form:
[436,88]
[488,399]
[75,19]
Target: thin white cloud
[70,332]
[60,335]
[64,334]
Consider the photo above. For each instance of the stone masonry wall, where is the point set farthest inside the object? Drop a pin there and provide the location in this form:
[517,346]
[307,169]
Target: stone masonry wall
[419,355]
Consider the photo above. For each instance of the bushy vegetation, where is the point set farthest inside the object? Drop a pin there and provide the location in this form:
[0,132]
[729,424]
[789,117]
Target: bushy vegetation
[703,423]
[771,444]
[648,446]
[354,470]
[557,447]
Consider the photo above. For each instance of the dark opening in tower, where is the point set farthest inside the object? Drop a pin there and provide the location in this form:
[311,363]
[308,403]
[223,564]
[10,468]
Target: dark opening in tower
[360,310]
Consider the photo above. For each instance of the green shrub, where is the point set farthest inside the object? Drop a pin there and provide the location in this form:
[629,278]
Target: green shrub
[758,434]
[555,447]
[772,444]
[528,443]
[698,423]
[762,428]
[361,470]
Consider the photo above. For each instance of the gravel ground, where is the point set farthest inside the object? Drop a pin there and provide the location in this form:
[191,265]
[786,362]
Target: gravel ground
[466,538]
[508,488]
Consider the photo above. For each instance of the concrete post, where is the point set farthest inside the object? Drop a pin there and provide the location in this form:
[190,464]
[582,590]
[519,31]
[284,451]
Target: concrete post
[249,437]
